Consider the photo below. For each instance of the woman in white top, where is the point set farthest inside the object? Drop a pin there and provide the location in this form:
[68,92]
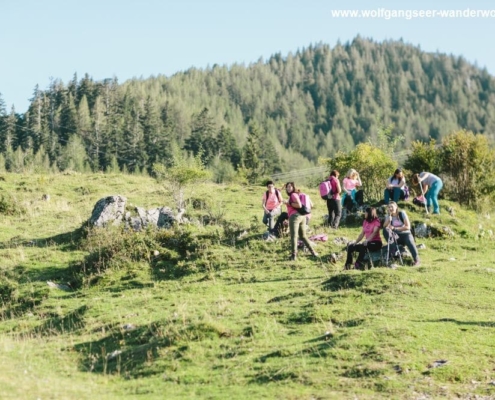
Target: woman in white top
[397,223]
[395,187]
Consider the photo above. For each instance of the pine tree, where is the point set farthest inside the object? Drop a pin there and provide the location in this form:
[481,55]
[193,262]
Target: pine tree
[68,120]
[202,140]
[252,153]
[83,118]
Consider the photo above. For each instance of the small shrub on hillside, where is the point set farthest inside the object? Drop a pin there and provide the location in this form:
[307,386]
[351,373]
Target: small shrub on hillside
[180,239]
[115,248]
[469,160]
[10,206]
[424,157]
[8,289]
[168,251]
[21,297]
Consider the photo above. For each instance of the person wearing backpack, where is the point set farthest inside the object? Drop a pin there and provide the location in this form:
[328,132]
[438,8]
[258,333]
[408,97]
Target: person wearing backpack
[395,188]
[271,202]
[297,220]
[334,206]
[397,223]
[430,188]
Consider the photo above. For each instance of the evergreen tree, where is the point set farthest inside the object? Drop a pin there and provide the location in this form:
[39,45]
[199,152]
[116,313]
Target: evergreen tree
[68,120]
[202,140]
[83,118]
[252,153]
[8,138]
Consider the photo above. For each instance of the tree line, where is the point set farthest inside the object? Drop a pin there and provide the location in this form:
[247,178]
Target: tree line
[272,115]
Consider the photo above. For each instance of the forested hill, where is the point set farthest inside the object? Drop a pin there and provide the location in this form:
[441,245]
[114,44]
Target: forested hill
[287,110]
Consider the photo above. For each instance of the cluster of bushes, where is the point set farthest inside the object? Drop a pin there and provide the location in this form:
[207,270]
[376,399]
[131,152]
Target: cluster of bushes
[464,160]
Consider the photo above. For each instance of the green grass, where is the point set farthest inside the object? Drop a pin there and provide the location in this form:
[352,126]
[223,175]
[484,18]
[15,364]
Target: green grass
[217,314]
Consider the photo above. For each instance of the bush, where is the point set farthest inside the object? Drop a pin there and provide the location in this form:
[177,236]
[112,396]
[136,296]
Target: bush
[469,161]
[10,206]
[424,157]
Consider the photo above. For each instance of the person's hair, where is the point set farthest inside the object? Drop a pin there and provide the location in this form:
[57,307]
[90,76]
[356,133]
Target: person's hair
[415,179]
[296,190]
[393,203]
[269,183]
[371,214]
[352,172]
[394,176]
[335,173]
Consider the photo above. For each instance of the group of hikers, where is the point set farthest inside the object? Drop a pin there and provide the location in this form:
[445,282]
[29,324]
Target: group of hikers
[396,225]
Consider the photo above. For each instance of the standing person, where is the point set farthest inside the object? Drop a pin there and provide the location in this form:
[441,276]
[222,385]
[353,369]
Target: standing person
[271,202]
[350,182]
[395,186]
[372,240]
[431,185]
[297,222]
[397,223]
[334,205]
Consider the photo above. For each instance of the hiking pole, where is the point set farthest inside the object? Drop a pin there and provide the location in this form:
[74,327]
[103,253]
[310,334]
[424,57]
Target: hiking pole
[396,236]
[424,197]
[388,245]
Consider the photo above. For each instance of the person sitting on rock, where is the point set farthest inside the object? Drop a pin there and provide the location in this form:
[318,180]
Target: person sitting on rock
[395,187]
[271,202]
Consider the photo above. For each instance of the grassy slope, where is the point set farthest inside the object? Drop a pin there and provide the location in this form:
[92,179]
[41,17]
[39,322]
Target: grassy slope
[248,323]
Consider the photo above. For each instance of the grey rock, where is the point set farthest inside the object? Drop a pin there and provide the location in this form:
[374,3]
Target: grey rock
[108,211]
[111,211]
[421,230]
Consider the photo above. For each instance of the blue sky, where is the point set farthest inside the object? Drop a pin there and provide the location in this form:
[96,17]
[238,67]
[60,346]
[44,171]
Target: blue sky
[130,38]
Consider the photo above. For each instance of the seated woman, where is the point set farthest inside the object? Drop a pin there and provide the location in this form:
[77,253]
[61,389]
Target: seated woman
[395,187]
[350,182]
[371,235]
[397,223]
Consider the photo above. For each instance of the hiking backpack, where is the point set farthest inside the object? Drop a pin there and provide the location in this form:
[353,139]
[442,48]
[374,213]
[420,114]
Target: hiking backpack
[306,203]
[419,201]
[326,190]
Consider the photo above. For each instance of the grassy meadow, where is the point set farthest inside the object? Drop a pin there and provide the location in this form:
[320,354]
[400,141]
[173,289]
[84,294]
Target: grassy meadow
[209,310]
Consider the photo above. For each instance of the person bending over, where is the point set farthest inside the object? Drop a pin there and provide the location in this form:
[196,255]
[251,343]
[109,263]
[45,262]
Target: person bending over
[431,186]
